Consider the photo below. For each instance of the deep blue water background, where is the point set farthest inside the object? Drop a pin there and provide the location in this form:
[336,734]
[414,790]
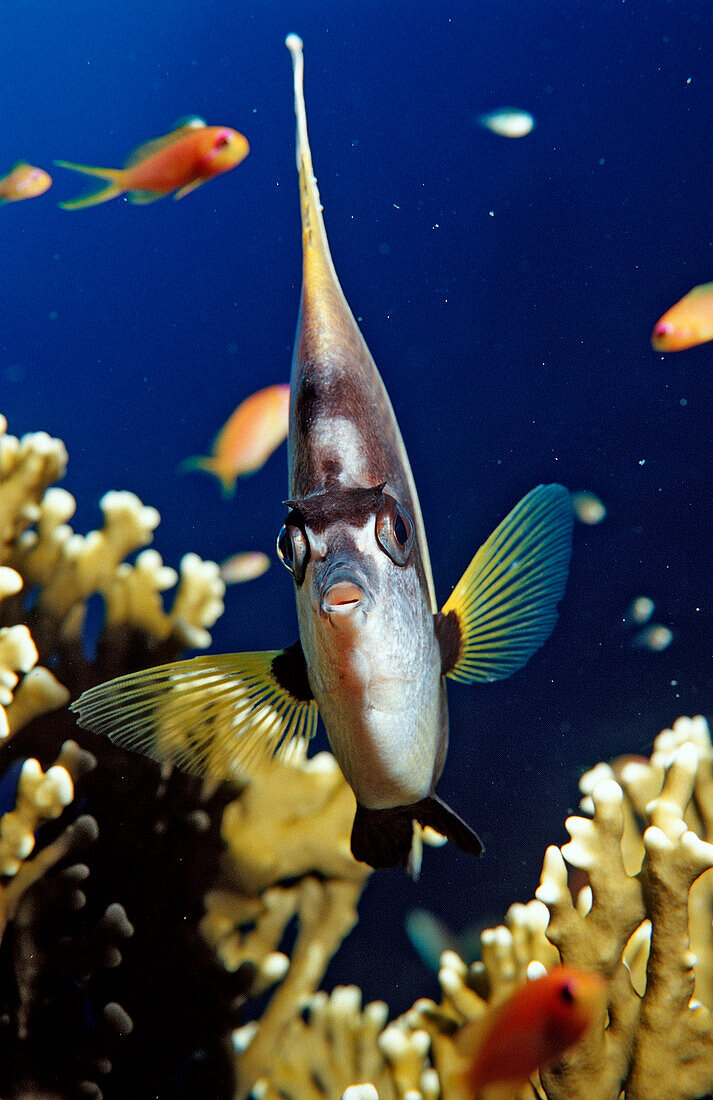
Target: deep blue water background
[507,290]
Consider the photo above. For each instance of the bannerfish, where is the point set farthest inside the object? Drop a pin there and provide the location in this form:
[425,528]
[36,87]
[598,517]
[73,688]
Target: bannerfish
[180,161]
[532,1028]
[247,439]
[373,648]
[687,323]
[24,181]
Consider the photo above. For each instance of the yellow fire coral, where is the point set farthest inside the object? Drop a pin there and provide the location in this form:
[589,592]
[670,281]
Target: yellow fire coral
[643,922]
[40,796]
[39,547]
[287,858]
[39,690]
[60,1029]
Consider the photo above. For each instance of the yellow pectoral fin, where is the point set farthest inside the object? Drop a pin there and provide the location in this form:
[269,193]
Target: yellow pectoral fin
[217,716]
[143,198]
[187,188]
[505,604]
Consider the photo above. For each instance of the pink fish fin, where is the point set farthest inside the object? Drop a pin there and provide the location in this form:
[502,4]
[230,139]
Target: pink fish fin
[387,838]
[213,716]
[210,465]
[143,198]
[186,190]
[505,605]
[115,177]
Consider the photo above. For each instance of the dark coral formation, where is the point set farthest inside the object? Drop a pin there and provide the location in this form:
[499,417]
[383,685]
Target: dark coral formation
[109,988]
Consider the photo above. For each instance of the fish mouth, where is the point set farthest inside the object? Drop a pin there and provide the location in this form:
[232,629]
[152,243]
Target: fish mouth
[343,591]
[662,331]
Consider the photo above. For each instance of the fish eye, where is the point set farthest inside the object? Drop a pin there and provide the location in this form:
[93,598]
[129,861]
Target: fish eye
[394,530]
[222,141]
[567,994]
[400,530]
[293,550]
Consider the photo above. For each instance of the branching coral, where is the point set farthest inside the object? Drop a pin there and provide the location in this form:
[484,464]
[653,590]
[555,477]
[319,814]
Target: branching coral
[643,922]
[53,969]
[65,569]
[630,924]
[288,860]
[65,921]
[39,691]
[39,796]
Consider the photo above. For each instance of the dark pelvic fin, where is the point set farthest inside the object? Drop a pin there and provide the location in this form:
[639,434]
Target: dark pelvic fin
[385,838]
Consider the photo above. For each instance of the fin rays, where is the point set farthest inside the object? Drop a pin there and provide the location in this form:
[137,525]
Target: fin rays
[506,601]
[218,716]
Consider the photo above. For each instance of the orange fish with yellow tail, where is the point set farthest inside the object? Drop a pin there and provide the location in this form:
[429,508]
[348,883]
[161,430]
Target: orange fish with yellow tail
[247,439]
[528,1031]
[23,181]
[688,323]
[178,162]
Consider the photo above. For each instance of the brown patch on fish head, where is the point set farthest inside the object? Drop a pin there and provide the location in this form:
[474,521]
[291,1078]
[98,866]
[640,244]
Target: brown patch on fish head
[341,429]
[336,506]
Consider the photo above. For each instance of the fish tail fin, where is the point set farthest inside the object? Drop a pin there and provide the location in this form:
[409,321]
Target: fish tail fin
[388,838]
[210,465]
[113,176]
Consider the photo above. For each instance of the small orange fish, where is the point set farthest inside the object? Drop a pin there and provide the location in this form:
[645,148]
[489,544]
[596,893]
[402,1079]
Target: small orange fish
[180,161]
[532,1028]
[24,182]
[247,439]
[686,324]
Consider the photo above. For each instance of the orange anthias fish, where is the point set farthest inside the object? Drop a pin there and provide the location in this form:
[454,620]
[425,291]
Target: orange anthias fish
[179,162]
[686,324]
[24,182]
[247,439]
[531,1029]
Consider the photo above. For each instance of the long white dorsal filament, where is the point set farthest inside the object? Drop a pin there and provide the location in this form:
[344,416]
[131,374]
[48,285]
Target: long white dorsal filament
[314,233]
